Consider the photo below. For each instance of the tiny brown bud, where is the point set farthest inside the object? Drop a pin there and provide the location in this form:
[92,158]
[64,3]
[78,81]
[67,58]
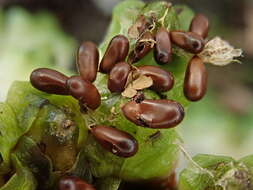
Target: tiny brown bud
[114,140]
[74,183]
[116,51]
[195,83]
[162,80]
[49,81]
[163,50]
[84,91]
[188,41]
[154,113]
[118,77]
[200,25]
[87,61]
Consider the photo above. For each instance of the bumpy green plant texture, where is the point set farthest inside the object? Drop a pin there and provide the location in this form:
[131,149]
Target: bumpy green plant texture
[46,136]
[217,173]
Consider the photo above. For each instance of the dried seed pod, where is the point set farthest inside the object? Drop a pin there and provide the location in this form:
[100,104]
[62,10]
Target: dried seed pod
[162,80]
[116,51]
[118,77]
[74,183]
[195,83]
[49,81]
[154,113]
[188,41]
[143,47]
[163,50]
[114,140]
[84,91]
[87,61]
[140,26]
[200,25]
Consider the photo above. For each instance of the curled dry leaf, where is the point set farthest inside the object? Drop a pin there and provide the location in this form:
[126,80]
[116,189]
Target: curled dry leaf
[219,52]
[136,81]
[142,82]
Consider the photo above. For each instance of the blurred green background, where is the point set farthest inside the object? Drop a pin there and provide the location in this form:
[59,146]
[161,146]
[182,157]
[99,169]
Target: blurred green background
[46,33]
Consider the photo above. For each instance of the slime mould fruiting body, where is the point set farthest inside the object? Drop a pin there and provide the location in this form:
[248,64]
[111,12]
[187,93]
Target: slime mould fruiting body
[113,121]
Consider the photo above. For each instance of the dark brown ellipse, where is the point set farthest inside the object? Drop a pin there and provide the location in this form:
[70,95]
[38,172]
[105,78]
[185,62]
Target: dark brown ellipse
[142,48]
[49,81]
[162,80]
[87,61]
[118,77]
[74,183]
[154,113]
[188,41]
[84,91]
[163,49]
[195,83]
[118,142]
[116,51]
[200,25]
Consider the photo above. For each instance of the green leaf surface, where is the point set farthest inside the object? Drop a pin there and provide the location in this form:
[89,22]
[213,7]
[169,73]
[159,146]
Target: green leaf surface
[185,16]
[23,179]
[217,173]
[248,161]
[53,121]
[30,155]
[9,135]
[81,168]
[26,103]
[28,110]
[109,183]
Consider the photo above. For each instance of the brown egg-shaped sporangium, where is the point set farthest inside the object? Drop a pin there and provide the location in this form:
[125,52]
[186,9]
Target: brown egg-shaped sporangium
[49,81]
[118,142]
[74,183]
[84,91]
[163,50]
[162,80]
[195,83]
[154,113]
[116,51]
[200,25]
[142,48]
[87,61]
[118,77]
[188,41]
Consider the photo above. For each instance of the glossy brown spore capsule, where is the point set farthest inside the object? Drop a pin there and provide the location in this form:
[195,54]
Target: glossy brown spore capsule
[195,83]
[87,61]
[118,142]
[188,41]
[163,49]
[84,91]
[118,77]
[116,51]
[74,183]
[154,113]
[49,81]
[200,25]
[162,80]
[143,46]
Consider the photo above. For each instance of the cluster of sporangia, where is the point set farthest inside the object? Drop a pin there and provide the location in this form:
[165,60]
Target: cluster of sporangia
[157,114]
